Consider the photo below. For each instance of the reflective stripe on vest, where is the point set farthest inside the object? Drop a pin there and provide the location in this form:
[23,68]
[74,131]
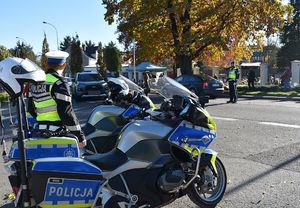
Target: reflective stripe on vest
[46,107]
[232,74]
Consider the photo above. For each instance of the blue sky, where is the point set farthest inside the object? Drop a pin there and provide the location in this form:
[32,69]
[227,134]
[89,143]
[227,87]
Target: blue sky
[24,18]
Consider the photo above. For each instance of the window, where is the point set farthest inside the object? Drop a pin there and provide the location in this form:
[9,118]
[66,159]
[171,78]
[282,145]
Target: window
[89,77]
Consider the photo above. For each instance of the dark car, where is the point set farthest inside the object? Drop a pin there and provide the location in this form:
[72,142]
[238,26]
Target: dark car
[202,85]
[89,84]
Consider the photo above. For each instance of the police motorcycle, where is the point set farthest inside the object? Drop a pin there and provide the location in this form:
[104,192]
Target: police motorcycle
[170,151]
[127,101]
[14,72]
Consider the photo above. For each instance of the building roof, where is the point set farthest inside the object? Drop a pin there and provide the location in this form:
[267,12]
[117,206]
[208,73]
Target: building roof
[257,64]
[147,66]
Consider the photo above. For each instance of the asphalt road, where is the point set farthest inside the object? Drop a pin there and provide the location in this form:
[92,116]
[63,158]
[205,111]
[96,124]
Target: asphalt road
[259,144]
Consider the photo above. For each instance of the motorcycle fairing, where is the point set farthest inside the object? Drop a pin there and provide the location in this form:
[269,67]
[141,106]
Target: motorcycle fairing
[189,136]
[208,158]
[140,130]
[45,148]
[131,111]
[102,111]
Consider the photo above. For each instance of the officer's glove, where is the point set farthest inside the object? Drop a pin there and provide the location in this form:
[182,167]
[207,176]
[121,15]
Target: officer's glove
[82,144]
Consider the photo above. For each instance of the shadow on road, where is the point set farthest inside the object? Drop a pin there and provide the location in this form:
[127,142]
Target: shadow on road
[262,175]
[10,205]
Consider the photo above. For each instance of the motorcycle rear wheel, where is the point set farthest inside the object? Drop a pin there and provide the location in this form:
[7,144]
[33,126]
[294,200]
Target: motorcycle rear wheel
[198,192]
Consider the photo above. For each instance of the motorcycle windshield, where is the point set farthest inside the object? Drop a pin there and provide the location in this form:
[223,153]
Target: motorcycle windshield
[132,86]
[168,87]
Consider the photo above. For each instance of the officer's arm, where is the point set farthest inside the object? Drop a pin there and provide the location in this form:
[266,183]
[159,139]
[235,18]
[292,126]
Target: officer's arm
[65,110]
[30,106]
[237,73]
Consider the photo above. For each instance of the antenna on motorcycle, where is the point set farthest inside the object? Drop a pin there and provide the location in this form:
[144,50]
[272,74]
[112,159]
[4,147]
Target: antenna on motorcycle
[2,140]
[21,136]
[9,111]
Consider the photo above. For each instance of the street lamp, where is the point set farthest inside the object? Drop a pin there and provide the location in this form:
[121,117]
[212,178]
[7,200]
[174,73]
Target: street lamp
[23,40]
[18,49]
[134,71]
[55,30]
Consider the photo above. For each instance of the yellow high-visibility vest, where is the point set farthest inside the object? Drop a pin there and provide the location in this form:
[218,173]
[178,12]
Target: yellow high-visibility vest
[46,107]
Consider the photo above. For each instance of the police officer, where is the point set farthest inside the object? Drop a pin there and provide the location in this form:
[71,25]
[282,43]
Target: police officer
[50,102]
[233,75]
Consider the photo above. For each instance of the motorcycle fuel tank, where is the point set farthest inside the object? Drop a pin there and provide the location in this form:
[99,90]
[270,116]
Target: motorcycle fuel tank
[141,130]
[103,111]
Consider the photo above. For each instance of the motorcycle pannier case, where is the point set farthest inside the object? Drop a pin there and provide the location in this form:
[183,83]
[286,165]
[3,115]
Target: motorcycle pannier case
[57,182]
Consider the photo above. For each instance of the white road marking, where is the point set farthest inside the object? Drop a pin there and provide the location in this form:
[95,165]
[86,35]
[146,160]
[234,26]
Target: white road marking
[280,124]
[225,119]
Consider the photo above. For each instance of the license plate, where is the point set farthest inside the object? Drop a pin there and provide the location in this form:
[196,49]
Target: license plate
[94,92]
[215,85]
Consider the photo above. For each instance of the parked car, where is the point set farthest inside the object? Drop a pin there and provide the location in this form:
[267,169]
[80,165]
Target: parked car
[202,85]
[70,81]
[89,84]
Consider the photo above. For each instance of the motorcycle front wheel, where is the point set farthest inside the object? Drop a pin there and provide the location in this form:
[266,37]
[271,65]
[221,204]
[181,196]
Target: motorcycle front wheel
[208,191]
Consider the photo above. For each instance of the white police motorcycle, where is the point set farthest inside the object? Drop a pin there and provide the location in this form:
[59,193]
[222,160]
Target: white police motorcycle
[127,102]
[155,162]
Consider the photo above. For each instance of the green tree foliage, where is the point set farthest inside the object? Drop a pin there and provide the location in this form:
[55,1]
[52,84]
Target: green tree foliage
[290,38]
[193,29]
[75,56]
[112,57]
[89,44]
[65,43]
[100,60]
[4,53]
[45,49]
[23,50]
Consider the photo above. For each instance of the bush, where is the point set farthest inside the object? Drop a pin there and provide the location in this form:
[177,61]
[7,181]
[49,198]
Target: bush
[3,96]
[297,89]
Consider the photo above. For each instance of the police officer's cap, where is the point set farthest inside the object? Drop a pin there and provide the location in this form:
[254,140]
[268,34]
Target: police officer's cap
[58,57]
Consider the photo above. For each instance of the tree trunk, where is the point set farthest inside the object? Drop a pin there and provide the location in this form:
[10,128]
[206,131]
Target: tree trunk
[184,62]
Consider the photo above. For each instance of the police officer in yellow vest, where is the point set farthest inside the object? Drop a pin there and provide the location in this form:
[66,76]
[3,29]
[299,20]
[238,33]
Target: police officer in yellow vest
[50,102]
[233,75]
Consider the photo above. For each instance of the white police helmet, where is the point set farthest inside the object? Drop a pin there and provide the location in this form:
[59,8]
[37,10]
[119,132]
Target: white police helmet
[15,71]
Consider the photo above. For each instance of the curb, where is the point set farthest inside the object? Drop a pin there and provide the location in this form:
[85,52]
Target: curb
[267,97]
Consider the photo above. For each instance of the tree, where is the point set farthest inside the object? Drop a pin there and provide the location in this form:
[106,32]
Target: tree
[4,52]
[65,43]
[112,57]
[290,38]
[45,49]
[89,44]
[23,50]
[189,29]
[100,60]
[76,55]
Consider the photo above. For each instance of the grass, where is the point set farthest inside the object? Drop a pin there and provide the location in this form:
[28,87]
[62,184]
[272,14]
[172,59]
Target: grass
[270,90]
[3,96]
[290,93]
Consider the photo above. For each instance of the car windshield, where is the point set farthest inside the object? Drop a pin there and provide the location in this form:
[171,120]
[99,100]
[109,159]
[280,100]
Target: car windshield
[89,77]
[168,87]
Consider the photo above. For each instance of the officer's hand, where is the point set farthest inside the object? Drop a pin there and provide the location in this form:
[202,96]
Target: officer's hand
[82,144]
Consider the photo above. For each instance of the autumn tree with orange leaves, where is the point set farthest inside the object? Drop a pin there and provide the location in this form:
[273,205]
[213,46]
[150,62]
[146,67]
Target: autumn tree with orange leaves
[194,29]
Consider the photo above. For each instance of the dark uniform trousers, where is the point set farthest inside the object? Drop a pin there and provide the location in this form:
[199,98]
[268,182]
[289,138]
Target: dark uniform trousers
[232,90]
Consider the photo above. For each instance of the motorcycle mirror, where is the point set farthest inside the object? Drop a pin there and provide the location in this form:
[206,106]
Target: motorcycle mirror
[203,100]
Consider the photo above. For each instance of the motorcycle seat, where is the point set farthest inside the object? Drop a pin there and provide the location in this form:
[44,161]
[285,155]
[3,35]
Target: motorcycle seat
[108,161]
